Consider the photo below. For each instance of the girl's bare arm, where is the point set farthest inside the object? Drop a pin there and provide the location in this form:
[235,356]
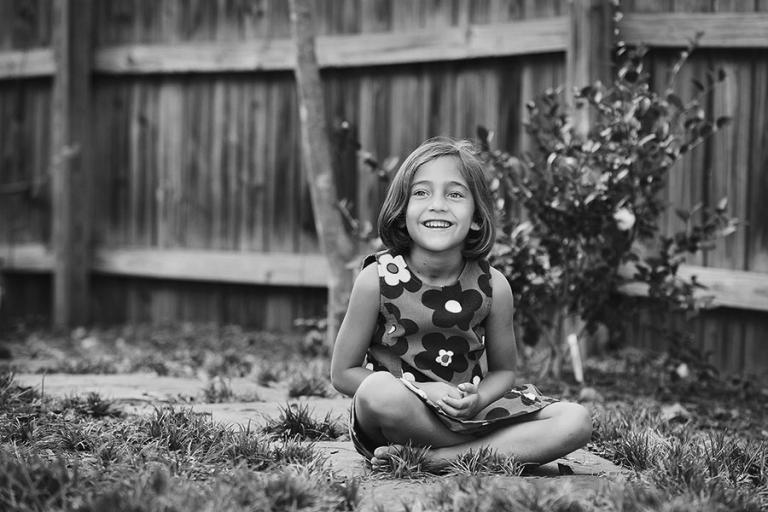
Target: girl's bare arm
[355,333]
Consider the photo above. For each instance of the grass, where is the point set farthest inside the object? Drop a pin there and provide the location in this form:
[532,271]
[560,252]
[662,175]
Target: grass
[297,420]
[485,460]
[411,462]
[78,454]
[82,453]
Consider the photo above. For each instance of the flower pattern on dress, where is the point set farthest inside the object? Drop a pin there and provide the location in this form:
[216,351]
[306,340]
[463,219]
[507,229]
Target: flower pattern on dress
[394,276]
[427,334]
[372,363]
[444,357]
[435,355]
[484,281]
[412,374]
[403,327]
[452,306]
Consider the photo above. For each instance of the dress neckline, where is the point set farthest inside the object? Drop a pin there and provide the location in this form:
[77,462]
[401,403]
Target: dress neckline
[459,278]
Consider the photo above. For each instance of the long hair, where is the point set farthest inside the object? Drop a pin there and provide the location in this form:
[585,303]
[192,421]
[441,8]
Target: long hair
[392,229]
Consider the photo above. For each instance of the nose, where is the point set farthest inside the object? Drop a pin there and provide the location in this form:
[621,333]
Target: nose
[437,202]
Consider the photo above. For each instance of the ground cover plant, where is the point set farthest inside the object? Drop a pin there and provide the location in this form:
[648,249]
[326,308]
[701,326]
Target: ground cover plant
[77,453]
[691,442]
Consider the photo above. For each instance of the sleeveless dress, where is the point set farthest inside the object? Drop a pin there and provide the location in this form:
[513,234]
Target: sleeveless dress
[437,333]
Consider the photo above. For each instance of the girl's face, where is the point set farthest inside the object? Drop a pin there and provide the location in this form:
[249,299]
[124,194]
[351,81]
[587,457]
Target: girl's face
[440,207]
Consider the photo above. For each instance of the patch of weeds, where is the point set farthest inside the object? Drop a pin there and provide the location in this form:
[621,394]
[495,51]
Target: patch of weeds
[487,494]
[229,363]
[640,449]
[409,462]
[93,405]
[83,365]
[183,430]
[348,493]
[285,489]
[291,451]
[218,391]
[269,374]
[691,469]
[485,460]
[28,482]
[467,492]
[153,489]
[18,398]
[297,420]
[634,439]
[17,428]
[308,385]
[74,437]
[246,447]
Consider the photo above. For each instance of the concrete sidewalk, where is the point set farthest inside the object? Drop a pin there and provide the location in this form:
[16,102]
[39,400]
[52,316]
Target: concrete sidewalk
[140,393]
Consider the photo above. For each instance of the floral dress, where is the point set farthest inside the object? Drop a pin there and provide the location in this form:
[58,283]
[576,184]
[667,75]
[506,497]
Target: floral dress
[437,333]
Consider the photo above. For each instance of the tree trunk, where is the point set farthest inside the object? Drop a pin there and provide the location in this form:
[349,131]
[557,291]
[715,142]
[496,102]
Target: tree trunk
[337,245]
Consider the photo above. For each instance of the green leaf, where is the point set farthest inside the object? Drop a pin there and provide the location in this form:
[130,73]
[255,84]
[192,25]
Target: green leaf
[675,100]
[722,121]
[684,215]
[722,204]
[721,74]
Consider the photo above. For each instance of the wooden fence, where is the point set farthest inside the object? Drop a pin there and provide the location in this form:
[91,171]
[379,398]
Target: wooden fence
[193,205]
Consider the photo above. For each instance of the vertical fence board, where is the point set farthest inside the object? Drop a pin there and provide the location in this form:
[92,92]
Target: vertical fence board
[70,162]
[209,161]
[757,229]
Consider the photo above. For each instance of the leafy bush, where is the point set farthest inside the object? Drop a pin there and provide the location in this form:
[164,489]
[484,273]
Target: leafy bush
[580,214]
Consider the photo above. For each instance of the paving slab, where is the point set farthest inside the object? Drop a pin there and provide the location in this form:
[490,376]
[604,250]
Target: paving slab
[140,393]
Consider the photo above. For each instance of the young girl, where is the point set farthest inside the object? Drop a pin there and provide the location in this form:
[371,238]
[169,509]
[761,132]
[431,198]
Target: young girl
[433,322]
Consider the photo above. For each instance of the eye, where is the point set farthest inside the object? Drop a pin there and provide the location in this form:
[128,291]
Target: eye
[419,192]
[455,195]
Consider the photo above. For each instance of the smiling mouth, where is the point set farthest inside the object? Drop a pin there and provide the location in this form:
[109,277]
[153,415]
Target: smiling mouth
[439,224]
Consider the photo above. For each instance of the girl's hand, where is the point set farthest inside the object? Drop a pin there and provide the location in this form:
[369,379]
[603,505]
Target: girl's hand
[437,391]
[465,406]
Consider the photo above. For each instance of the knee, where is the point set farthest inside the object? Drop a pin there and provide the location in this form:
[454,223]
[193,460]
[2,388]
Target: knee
[577,420]
[381,396]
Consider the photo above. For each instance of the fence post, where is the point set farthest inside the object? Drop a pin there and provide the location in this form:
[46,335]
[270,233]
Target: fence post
[70,161]
[588,57]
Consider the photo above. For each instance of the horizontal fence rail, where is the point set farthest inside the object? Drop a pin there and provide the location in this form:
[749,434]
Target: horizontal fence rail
[728,288]
[719,30]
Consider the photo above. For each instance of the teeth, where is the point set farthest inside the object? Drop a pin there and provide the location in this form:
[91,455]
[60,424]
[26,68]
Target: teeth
[437,224]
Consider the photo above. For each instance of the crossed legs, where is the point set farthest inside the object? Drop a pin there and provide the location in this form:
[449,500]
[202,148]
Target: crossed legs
[390,414]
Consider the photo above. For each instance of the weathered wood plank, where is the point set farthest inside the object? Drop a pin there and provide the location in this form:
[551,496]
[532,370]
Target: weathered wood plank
[721,30]
[70,161]
[731,288]
[588,57]
[278,269]
[26,63]
[757,231]
[374,49]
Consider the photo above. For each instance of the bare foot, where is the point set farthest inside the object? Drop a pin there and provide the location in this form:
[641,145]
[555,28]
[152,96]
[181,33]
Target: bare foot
[386,456]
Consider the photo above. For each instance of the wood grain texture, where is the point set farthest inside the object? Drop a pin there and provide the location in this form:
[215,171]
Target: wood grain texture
[720,30]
